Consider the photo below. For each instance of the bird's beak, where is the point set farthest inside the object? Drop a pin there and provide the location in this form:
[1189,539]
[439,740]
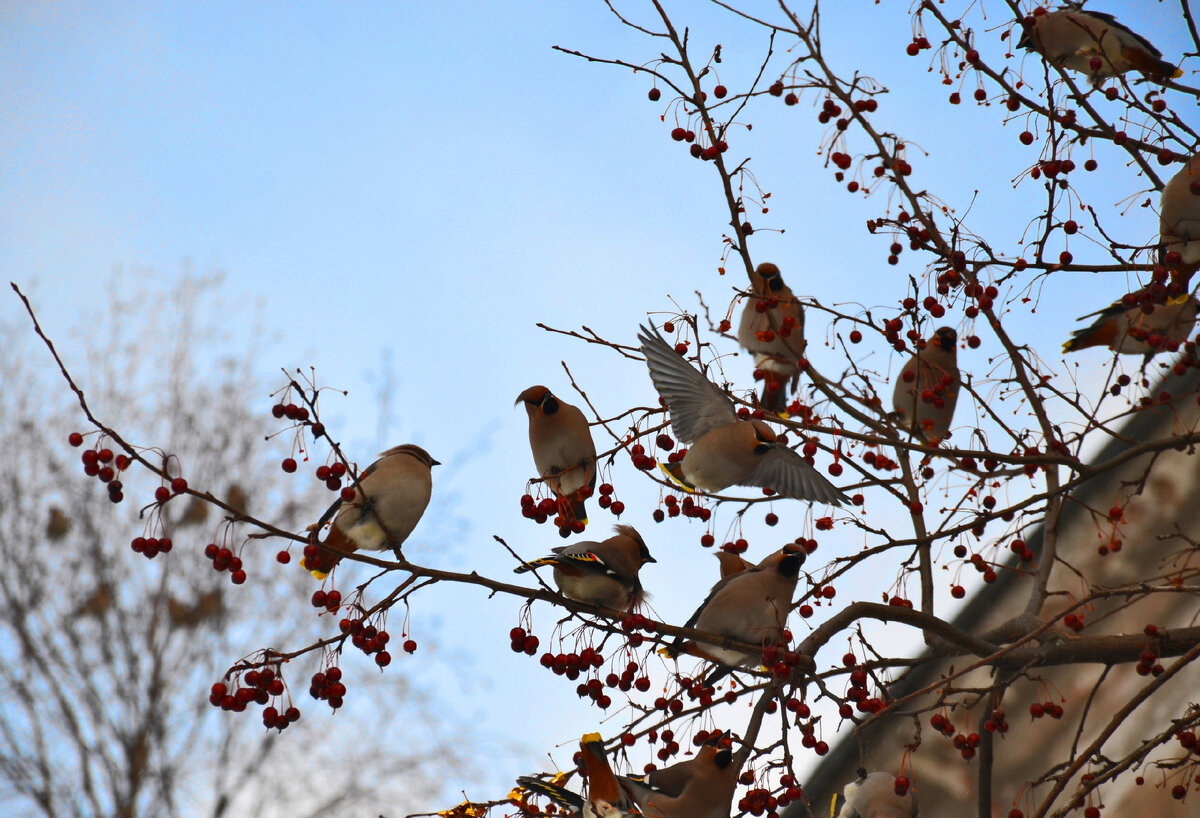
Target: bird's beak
[433,462]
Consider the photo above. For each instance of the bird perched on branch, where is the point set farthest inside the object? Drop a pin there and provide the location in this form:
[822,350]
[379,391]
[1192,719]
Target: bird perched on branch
[1179,222]
[563,451]
[391,496]
[724,451]
[699,788]
[1138,330]
[772,330]
[605,796]
[878,795]
[927,389]
[600,573]
[747,606]
[1094,44]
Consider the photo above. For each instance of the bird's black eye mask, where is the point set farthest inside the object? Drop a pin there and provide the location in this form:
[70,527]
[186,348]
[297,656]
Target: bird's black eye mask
[549,404]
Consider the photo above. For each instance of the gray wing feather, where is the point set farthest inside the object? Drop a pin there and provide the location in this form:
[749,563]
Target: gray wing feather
[790,475]
[695,403]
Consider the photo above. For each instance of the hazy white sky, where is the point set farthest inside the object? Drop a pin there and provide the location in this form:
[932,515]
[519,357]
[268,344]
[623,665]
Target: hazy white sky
[433,179]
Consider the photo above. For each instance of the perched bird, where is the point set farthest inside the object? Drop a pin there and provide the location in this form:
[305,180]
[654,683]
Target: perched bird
[670,781]
[724,450]
[1094,44]
[600,573]
[563,451]
[927,388]
[876,796]
[391,497]
[748,606]
[606,798]
[707,792]
[1133,331]
[1179,219]
[772,330]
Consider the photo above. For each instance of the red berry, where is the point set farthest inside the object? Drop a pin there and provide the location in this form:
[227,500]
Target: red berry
[720,91]
[75,439]
[410,646]
[654,94]
[288,465]
[179,485]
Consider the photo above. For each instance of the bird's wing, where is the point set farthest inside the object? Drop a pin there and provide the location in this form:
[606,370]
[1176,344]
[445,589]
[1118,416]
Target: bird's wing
[695,403]
[790,475]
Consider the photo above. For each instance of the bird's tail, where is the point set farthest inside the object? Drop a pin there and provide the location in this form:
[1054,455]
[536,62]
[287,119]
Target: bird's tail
[538,563]
[330,553]
[556,793]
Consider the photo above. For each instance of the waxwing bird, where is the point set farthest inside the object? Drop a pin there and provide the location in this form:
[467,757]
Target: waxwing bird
[876,796]
[1133,331]
[707,791]
[748,606]
[1179,218]
[1094,44]
[563,451]
[671,781]
[606,798]
[725,451]
[927,389]
[772,330]
[391,497]
[600,573]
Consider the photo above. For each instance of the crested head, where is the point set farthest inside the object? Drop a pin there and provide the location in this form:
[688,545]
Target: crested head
[411,450]
[532,396]
[759,436]
[631,532]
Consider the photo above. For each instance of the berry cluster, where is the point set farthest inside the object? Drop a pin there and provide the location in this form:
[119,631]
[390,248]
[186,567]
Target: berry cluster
[102,464]
[261,687]
[224,560]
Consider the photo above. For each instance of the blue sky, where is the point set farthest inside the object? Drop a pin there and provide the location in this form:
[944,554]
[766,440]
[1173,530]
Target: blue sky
[433,179]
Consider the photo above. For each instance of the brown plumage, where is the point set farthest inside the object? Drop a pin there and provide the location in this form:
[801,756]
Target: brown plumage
[1133,331]
[563,451]
[708,792]
[606,797]
[600,573]
[732,563]
[1094,44]
[748,606]
[772,330]
[392,495]
[725,451]
[927,388]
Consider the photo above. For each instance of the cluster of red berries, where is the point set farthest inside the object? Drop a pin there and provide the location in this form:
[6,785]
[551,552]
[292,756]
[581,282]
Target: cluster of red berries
[1073,621]
[879,460]
[608,500]
[686,507]
[760,801]
[792,792]
[644,462]
[917,45]
[809,740]
[523,642]
[858,694]
[1048,708]
[540,510]
[151,547]
[572,664]
[290,411]
[372,640]
[632,623]
[981,565]
[327,687]
[332,475]
[329,600]
[1148,659]
[261,687]
[104,466]
[224,560]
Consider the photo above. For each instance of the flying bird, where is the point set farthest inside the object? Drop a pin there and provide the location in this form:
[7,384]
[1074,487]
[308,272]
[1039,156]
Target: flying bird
[724,451]
[1094,44]
[747,606]
[1134,331]
[600,573]
[927,388]
[391,496]
[876,796]
[563,451]
[772,330]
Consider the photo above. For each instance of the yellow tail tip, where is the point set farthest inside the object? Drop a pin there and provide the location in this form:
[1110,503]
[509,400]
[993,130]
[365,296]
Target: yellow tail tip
[667,471]
[1178,73]
[588,738]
